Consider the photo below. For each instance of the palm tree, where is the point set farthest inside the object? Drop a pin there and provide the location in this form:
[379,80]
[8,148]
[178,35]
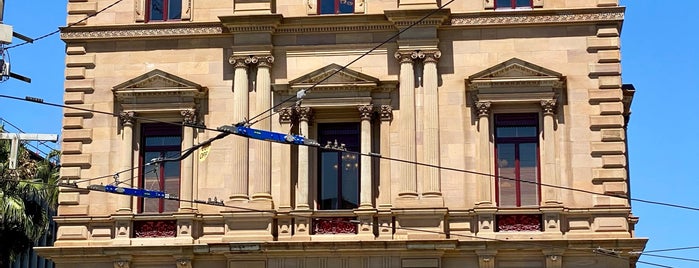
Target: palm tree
[28,194]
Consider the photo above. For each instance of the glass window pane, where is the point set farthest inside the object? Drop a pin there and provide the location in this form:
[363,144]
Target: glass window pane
[350,181]
[528,174]
[507,191]
[174,11]
[503,4]
[516,132]
[327,7]
[156,9]
[174,140]
[328,180]
[346,6]
[524,3]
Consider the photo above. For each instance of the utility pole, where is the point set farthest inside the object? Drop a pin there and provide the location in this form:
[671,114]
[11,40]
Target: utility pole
[6,34]
[16,138]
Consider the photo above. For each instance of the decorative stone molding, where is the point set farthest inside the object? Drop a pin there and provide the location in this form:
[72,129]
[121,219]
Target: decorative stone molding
[549,106]
[122,263]
[265,61]
[386,113]
[286,115]
[366,112]
[150,31]
[158,91]
[184,263]
[126,118]
[241,61]
[482,108]
[615,15]
[189,116]
[405,57]
[304,113]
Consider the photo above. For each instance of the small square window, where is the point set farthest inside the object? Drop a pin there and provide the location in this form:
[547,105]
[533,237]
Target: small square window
[513,4]
[336,6]
[163,10]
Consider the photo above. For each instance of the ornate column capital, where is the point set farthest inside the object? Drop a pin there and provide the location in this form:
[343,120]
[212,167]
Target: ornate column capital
[189,116]
[482,108]
[404,56]
[432,56]
[304,113]
[549,106]
[264,61]
[386,113]
[241,61]
[365,112]
[127,118]
[286,115]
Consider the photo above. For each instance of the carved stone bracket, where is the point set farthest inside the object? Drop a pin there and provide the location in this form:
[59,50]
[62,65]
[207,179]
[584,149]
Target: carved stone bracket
[304,113]
[122,263]
[386,113]
[189,116]
[549,106]
[184,263]
[126,118]
[365,112]
[286,115]
[482,108]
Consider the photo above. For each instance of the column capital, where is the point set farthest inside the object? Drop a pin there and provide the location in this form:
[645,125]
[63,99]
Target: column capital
[122,263]
[184,263]
[432,55]
[127,118]
[549,106]
[263,61]
[406,56]
[365,112]
[386,113]
[304,113]
[241,61]
[189,116]
[482,108]
[286,115]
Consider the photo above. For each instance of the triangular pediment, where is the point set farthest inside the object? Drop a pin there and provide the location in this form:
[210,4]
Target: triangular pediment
[515,69]
[334,75]
[157,80]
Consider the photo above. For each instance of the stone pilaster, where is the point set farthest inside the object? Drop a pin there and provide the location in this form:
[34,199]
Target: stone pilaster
[386,116]
[366,112]
[554,258]
[127,121]
[486,258]
[550,195]
[189,117]
[304,114]
[285,119]
[485,183]
[261,187]
[241,145]
[408,185]
[431,175]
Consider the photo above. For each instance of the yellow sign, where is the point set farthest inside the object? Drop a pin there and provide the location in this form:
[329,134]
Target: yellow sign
[204,152]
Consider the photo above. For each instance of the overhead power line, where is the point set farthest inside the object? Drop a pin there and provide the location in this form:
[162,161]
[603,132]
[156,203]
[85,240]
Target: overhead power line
[659,203]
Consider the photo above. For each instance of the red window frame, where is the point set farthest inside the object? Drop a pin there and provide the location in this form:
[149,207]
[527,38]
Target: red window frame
[534,119]
[166,10]
[513,5]
[155,130]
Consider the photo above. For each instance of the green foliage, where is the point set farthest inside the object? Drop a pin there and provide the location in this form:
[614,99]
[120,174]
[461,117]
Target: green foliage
[27,195]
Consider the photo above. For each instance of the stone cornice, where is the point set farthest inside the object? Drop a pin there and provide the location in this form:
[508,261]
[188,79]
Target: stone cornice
[542,16]
[159,30]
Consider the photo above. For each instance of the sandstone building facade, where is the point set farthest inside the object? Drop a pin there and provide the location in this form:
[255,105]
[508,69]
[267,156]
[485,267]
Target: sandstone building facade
[521,102]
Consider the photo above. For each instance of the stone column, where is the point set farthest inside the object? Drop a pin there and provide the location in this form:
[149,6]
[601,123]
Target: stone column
[432,187]
[126,161]
[550,196]
[304,114]
[285,119]
[386,115]
[365,113]
[407,123]
[240,113]
[485,183]
[262,185]
[189,117]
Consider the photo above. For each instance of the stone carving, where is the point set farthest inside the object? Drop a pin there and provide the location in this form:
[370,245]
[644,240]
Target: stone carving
[482,108]
[615,14]
[187,30]
[386,113]
[189,116]
[126,118]
[365,112]
[122,264]
[304,113]
[404,57]
[285,115]
[240,61]
[265,61]
[184,263]
[548,106]
[432,56]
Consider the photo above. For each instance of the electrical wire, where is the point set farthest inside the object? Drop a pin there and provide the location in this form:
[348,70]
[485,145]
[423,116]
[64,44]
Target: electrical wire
[670,257]
[669,249]
[346,65]
[385,157]
[69,26]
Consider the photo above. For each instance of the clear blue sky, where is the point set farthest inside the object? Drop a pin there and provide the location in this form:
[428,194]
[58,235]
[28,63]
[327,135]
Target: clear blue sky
[660,56]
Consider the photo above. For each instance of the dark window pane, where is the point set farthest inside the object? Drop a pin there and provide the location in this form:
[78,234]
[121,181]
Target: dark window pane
[328,183]
[528,174]
[163,141]
[156,9]
[339,172]
[174,11]
[524,3]
[516,132]
[350,180]
[327,7]
[507,190]
[503,4]
[346,6]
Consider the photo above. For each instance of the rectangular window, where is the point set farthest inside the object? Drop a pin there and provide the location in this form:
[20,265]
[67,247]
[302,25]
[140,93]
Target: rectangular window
[517,159]
[513,4]
[163,10]
[160,140]
[338,184]
[336,6]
